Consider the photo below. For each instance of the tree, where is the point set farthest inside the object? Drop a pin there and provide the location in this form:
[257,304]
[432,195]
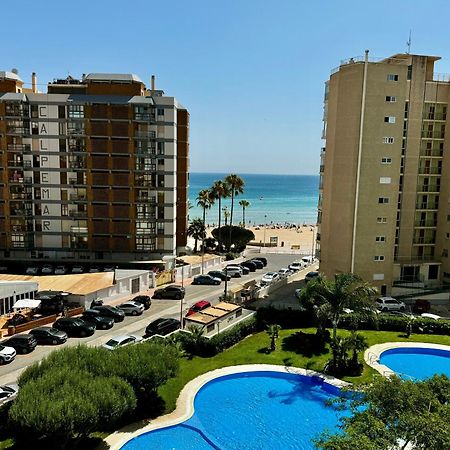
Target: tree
[220,190]
[245,204]
[236,184]
[330,299]
[197,231]
[395,414]
[272,331]
[205,200]
[239,237]
[356,343]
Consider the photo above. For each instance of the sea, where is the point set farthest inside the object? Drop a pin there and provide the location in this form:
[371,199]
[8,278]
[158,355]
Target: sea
[274,199]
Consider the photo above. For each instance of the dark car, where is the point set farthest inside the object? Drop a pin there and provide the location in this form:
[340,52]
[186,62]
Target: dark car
[48,335]
[22,343]
[74,326]
[245,269]
[219,274]
[206,279]
[421,306]
[250,265]
[173,291]
[259,264]
[260,258]
[100,322]
[162,327]
[144,300]
[110,311]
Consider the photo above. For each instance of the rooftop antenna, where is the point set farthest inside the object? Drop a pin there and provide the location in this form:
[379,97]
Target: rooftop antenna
[408,44]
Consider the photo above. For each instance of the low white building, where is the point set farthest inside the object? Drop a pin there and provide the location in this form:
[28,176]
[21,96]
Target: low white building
[14,290]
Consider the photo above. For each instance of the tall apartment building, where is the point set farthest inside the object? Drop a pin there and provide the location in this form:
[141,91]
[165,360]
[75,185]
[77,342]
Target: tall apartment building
[95,169]
[384,203]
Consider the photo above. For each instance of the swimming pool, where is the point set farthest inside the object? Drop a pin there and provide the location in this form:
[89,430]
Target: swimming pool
[417,362]
[251,410]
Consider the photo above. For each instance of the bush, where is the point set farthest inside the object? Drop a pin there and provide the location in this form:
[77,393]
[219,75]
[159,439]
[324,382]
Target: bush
[240,237]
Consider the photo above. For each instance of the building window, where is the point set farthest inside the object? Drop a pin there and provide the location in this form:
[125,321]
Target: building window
[18,240]
[388,140]
[392,77]
[380,239]
[386,160]
[383,200]
[210,328]
[447,235]
[160,148]
[389,119]
[160,111]
[385,180]
[381,219]
[378,276]
[378,258]
[75,111]
[391,98]
[445,253]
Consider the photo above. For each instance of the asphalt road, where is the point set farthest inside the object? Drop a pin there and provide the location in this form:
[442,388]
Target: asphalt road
[160,308]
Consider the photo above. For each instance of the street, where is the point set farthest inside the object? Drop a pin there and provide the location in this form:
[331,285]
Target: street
[161,308]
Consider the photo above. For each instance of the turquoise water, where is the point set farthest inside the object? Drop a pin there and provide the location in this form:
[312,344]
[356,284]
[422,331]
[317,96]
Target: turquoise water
[282,198]
[253,410]
[418,363]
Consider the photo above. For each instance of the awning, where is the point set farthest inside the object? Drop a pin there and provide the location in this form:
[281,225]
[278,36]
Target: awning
[26,303]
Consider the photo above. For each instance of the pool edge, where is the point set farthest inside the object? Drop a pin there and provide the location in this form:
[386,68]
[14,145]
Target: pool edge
[185,403]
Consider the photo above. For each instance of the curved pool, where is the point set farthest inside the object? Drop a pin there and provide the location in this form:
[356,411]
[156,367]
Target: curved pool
[417,362]
[251,410]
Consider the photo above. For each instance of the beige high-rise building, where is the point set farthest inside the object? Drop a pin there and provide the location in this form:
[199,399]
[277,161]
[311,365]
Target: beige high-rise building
[384,204]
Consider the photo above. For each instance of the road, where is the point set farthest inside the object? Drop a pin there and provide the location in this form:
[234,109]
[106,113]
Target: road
[160,308]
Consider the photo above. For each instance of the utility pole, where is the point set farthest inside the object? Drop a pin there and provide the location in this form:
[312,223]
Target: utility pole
[226,283]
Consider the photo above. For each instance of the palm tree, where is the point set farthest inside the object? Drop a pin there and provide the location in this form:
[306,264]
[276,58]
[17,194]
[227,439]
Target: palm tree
[272,331]
[196,230]
[226,214]
[205,200]
[357,343]
[244,204]
[236,184]
[331,298]
[220,190]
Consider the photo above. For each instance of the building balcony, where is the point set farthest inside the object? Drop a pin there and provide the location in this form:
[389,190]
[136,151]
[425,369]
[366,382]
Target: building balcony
[21,196]
[424,241]
[23,113]
[427,153]
[76,213]
[19,147]
[433,134]
[430,170]
[434,188]
[77,198]
[435,116]
[19,163]
[425,223]
[145,117]
[414,259]
[21,212]
[18,130]
[140,134]
[430,205]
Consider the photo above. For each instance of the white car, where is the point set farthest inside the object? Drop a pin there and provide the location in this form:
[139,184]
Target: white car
[295,266]
[8,392]
[284,272]
[270,277]
[132,308]
[121,341]
[60,270]
[430,316]
[32,270]
[47,269]
[77,269]
[390,304]
[307,260]
[233,272]
[7,354]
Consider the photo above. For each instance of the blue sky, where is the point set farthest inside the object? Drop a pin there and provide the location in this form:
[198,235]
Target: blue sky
[251,72]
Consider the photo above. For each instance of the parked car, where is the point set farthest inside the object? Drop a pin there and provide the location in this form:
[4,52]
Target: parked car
[77,269]
[262,259]
[295,266]
[131,308]
[21,343]
[238,267]
[219,274]
[110,311]
[430,316]
[74,326]
[121,341]
[144,300]
[109,269]
[197,307]
[7,354]
[48,335]
[389,304]
[245,269]
[32,270]
[250,265]
[421,306]
[172,291]
[8,392]
[307,260]
[311,276]
[60,270]
[259,264]
[47,269]
[162,327]
[100,322]
[94,269]
[284,272]
[206,279]
[270,277]
[233,272]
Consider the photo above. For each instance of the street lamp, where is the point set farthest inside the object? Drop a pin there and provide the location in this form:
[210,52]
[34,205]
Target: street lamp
[265,226]
[226,283]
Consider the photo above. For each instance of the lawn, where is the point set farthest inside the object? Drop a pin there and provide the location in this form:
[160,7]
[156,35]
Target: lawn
[252,350]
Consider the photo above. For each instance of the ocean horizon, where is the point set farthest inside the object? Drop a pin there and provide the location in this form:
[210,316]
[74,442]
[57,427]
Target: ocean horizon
[277,199]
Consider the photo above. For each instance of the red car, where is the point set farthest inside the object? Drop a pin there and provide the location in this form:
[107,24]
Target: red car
[199,306]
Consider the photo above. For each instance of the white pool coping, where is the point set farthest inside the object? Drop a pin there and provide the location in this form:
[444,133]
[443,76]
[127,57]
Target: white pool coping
[185,402]
[372,354]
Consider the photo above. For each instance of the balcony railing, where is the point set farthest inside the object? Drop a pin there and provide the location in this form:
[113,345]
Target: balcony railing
[19,163]
[425,223]
[19,147]
[75,213]
[21,196]
[429,188]
[429,205]
[21,212]
[414,258]
[18,130]
[435,116]
[75,197]
[433,134]
[431,153]
[424,240]
[147,117]
[77,148]
[145,134]
[430,170]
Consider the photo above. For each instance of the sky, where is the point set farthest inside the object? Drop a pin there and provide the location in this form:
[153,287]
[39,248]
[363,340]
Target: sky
[250,72]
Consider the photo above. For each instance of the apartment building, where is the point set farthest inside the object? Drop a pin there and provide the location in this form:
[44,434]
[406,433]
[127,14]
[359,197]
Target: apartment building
[94,169]
[384,201]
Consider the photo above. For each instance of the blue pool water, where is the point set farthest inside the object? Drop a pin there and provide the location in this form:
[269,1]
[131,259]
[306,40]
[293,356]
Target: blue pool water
[419,363]
[251,410]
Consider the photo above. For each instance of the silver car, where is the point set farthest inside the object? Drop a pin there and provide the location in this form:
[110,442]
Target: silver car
[131,308]
[7,354]
[121,341]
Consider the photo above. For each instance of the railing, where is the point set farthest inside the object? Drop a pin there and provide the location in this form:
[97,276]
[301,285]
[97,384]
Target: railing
[77,213]
[429,188]
[433,134]
[441,77]
[431,153]
[427,205]
[430,170]
[17,130]
[145,134]
[423,240]
[19,147]
[425,223]
[77,148]
[435,116]
[21,212]
[412,259]
[145,116]
[75,197]
[22,196]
